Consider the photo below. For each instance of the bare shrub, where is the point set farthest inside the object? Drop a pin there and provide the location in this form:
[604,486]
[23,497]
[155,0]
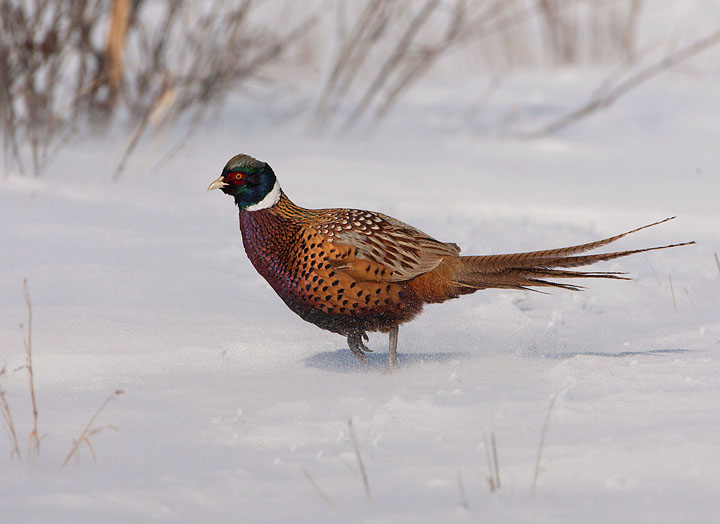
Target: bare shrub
[37,41]
[611,34]
[390,44]
[63,62]
[407,30]
[625,79]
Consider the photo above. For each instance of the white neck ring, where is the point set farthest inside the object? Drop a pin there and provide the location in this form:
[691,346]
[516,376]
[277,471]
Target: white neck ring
[270,199]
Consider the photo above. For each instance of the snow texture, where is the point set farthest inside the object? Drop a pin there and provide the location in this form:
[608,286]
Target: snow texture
[230,399]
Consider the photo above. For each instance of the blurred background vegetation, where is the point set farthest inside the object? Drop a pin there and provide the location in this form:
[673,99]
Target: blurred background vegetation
[67,66]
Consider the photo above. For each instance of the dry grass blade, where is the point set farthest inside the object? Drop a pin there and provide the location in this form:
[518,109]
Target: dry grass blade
[90,431]
[652,269]
[672,293]
[9,423]
[461,489]
[541,446]
[495,460]
[491,456]
[315,485]
[717,261]
[358,455]
[34,438]
[692,302]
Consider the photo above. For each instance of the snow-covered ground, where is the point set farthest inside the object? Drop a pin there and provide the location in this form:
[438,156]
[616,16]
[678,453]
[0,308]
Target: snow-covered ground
[231,401]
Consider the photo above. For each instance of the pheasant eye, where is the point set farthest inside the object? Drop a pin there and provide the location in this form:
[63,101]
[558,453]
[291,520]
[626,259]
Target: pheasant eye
[237,178]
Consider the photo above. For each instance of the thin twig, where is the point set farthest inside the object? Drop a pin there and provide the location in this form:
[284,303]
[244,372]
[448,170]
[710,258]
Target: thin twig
[319,491]
[717,261]
[89,431]
[359,458]
[543,433]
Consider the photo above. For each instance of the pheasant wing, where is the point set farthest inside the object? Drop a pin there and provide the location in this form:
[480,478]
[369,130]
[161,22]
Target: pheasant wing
[382,247]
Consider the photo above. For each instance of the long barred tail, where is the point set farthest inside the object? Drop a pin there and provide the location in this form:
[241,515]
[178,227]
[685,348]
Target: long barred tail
[531,269]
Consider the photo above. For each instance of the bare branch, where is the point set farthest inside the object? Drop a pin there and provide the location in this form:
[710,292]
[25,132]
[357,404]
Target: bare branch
[608,96]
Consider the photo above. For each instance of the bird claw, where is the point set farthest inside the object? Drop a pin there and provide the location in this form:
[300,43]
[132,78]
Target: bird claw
[357,346]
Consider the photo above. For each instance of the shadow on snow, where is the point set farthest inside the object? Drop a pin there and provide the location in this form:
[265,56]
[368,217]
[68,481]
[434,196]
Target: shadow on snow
[342,360]
[621,354]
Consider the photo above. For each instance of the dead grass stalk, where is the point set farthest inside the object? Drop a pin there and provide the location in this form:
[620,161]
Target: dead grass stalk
[89,431]
[34,438]
[9,423]
[317,488]
[541,445]
[461,489]
[672,293]
[358,455]
[491,456]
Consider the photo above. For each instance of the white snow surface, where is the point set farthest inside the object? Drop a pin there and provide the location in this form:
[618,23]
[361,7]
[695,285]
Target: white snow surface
[230,399]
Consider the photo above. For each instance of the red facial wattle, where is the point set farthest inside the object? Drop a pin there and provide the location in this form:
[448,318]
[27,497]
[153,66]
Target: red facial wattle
[235,178]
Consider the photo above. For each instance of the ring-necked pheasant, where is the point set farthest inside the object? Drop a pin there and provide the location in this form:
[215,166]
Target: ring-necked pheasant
[351,271]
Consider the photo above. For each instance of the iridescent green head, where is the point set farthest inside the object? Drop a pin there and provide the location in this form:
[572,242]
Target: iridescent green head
[250,182]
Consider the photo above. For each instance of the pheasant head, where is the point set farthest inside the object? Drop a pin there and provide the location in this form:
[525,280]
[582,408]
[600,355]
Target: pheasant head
[250,182]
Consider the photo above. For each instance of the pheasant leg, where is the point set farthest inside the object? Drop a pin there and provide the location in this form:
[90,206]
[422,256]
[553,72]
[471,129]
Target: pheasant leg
[392,349]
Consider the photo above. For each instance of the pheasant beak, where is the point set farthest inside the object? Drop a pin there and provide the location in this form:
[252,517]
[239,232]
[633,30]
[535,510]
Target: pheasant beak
[217,184]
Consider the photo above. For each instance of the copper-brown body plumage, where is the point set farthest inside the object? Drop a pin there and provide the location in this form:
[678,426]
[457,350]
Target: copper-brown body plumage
[352,271]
